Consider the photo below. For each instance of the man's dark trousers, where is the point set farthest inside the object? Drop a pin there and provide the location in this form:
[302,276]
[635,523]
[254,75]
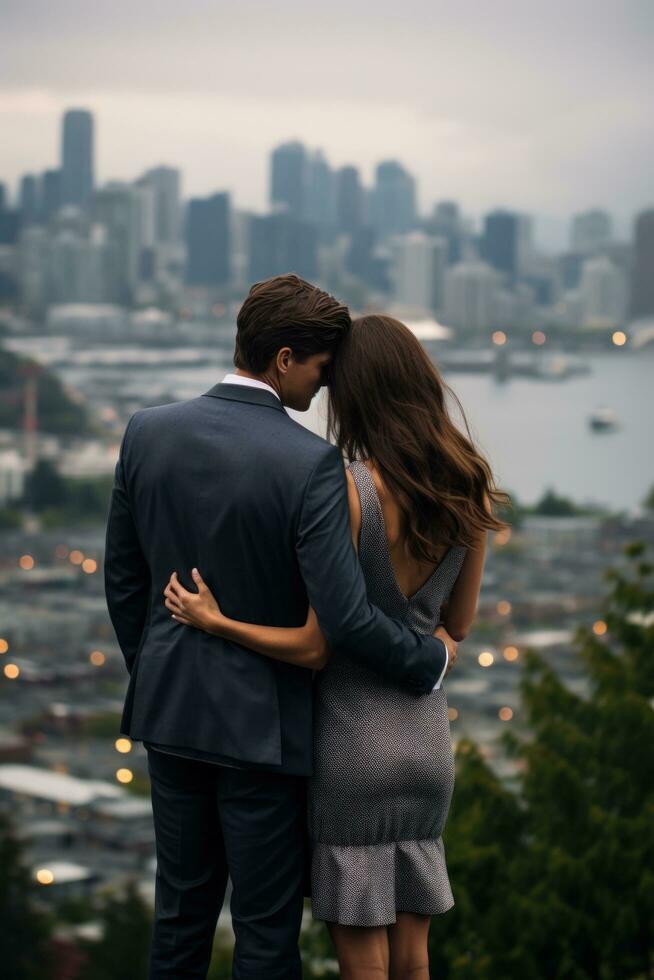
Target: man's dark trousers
[212,821]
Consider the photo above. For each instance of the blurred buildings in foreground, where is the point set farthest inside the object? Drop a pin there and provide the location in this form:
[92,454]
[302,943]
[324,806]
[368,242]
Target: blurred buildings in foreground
[139,243]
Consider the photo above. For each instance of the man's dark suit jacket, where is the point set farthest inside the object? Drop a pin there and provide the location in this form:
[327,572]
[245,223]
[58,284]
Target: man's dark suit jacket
[229,483]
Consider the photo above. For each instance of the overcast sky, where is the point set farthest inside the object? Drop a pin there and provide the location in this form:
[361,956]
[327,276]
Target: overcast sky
[545,107]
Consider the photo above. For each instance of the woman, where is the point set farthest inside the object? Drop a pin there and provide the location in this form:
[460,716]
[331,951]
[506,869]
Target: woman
[420,498]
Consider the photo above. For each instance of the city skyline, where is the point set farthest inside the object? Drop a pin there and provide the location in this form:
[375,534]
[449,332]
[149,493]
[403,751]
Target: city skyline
[553,141]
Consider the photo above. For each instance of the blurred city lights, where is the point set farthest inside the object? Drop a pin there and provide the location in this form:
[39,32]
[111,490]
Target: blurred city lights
[619,338]
[4,646]
[44,876]
[599,627]
[499,337]
[123,745]
[97,658]
[503,607]
[452,714]
[26,562]
[505,714]
[76,557]
[486,658]
[89,565]
[538,337]
[510,653]
[124,775]
[11,671]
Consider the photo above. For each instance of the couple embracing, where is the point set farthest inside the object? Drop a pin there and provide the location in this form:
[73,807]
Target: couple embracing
[288,621]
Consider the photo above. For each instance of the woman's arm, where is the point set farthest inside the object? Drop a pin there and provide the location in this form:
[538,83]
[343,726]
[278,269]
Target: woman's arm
[458,613]
[303,646]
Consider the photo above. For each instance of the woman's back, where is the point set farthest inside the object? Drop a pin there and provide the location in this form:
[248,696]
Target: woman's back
[384,766]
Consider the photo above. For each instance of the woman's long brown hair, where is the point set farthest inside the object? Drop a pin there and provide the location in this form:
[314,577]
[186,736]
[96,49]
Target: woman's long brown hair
[387,404]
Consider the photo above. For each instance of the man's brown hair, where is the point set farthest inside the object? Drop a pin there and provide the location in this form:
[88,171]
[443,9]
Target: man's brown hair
[287,311]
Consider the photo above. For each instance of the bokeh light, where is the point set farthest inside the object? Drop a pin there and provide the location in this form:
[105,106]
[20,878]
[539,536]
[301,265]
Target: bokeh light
[124,775]
[123,745]
[26,562]
[97,658]
[11,671]
[486,658]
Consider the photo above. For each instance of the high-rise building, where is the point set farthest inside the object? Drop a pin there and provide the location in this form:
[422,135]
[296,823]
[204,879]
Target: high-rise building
[446,222]
[279,243]
[505,242]
[470,293]
[642,281]
[288,179]
[207,233]
[320,192]
[590,230]
[28,200]
[393,199]
[603,292]
[118,207]
[77,181]
[50,194]
[418,274]
[165,182]
[349,200]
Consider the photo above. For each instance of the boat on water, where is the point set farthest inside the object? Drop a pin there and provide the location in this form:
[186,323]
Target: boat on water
[603,419]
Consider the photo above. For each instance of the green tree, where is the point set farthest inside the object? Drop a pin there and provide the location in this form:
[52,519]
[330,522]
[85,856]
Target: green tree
[44,487]
[124,950]
[554,880]
[24,930]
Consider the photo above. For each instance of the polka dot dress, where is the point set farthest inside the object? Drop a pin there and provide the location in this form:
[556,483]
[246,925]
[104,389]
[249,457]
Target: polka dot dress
[384,765]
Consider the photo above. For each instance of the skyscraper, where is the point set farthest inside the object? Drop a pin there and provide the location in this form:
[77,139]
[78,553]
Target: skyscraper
[320,203]
[504,242]
[165,182]
[288,179]
[208,240]
[642,282]
[50,194]
[590,230]
[349,200]
[28,200]
[419,271]
[393,199]
[279,243]
[77,157]
[603,292]
[118,207]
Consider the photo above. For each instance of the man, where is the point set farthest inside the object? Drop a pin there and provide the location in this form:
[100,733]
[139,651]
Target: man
[229,483]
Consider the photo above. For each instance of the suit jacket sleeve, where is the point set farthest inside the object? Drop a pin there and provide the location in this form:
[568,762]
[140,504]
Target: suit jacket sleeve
[337,591]
[126,573]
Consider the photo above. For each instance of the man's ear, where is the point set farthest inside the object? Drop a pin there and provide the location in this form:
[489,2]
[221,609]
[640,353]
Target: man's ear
[284,355]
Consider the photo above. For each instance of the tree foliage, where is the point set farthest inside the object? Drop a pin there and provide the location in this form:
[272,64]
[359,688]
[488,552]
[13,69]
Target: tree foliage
[554,879]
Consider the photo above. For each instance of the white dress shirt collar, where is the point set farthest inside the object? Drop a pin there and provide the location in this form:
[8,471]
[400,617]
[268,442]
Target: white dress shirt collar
[237,379]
